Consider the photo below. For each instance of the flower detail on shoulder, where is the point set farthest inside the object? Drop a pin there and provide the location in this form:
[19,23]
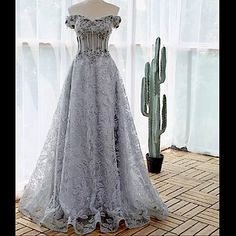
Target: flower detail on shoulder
[116,21]
[71,21]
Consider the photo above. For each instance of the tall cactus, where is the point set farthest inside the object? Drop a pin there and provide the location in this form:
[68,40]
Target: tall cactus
[150,99]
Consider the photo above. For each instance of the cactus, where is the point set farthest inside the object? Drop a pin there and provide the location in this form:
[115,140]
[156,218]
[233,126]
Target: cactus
[150,99]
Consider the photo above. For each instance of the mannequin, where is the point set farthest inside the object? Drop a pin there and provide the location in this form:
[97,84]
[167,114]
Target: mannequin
[93,9]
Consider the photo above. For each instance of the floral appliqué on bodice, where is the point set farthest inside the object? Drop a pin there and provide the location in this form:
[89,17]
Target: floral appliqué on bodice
[92,35]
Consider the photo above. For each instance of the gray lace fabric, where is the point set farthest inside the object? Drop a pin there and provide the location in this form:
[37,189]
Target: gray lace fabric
[91,168]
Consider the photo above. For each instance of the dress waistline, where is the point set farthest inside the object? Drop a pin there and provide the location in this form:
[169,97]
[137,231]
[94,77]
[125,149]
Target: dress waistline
[93,54]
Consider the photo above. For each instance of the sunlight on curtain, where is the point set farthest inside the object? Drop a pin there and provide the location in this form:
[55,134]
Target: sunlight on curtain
[189,30]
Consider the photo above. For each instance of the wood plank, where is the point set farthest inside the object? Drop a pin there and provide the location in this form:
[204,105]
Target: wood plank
[178,217]
[180,161]
[207,230]
[178,192]
[209,167]
[164,187]
[61,234]
[187,172]
[163,178]
[216,206]
[197,196]
[158,224]
[210,188]
[170,190]
[150,174]
[32,233]
[158,184]
[128,232]
[177,169]
[18,215]
[145,231]
[23,231]
[194,199]
[32,225]
[184,198]
[212,210]
[26,218]
[159,175]
[47,232]
[207,217]
[174,220]
[169,223]
[171,202]
[211,213]
[216,233]
[198,157]
[203,185]
[202,195]
[164,197]
[194,229]
[185,226]
[51,233]
[183,181]
[216,191]
[206,221]
[178,205]
[19,226]
[193,164]
[185,209]
[195,174]
[216,179]
[157,232]
[214,161]
[170,234]
[194,211]
[114,233]
[208,177]
[204,174]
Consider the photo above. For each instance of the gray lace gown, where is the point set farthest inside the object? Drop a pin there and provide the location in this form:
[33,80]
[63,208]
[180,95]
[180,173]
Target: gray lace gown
[91,167]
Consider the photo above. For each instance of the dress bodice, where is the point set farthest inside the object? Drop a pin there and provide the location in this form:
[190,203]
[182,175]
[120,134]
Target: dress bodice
[93,35]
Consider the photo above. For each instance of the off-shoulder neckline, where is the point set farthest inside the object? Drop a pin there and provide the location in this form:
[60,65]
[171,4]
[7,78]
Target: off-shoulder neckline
[97,19]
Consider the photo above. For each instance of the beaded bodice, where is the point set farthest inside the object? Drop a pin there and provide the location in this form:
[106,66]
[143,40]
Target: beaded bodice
[93,35]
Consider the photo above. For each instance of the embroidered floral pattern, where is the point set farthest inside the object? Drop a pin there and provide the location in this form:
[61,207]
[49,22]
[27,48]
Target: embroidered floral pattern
[97,23]
[93,35]
[92,55]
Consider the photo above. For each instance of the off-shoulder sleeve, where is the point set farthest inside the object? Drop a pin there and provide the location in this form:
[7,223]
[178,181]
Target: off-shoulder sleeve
[70,21]
[116,21]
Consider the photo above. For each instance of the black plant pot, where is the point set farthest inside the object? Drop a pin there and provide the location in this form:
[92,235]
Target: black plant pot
[154,163]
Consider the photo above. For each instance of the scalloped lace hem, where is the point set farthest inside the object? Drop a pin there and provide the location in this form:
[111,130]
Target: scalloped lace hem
[134,221]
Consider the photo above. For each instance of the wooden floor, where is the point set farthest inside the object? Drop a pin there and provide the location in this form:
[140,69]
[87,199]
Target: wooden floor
[189,185]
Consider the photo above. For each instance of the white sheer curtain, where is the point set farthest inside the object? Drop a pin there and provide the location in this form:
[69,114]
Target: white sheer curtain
[188,29]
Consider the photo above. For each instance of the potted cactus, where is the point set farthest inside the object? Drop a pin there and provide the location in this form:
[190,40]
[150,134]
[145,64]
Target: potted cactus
[155,75]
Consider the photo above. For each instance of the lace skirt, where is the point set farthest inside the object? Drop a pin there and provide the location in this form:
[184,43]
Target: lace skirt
[91,168]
